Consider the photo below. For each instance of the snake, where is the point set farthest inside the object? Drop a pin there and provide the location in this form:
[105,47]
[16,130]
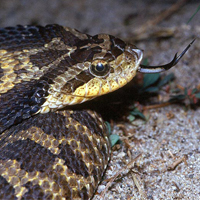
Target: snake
[48,149]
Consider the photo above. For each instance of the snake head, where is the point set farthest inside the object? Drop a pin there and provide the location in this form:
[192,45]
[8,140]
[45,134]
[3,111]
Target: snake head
[100,64]
[104,64]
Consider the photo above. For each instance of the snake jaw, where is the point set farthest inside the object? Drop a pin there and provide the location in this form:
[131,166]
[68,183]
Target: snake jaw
[127,65]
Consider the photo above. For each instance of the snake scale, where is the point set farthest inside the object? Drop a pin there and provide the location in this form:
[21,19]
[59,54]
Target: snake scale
[46,151]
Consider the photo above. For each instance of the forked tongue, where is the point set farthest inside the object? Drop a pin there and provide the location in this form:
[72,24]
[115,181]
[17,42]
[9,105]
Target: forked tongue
[161,68]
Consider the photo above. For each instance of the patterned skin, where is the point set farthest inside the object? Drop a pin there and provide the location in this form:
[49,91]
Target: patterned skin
[56,154]
[45,152]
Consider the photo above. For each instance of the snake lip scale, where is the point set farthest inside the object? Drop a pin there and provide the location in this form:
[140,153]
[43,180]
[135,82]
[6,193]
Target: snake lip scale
[46,151]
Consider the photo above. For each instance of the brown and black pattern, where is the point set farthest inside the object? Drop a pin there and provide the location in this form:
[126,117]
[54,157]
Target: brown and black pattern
[37,61]
[56,154]
[46,153]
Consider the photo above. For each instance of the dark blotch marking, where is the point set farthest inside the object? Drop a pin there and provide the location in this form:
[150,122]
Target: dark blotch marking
[73,161]
[51,123]
[82,43]
[85,54]
[20,71]
[58,69]
[21,102]
[117,46]
[29,37]
[35,192]
[84,193]
[34,157]
[7,191]
[96,39]
[1,72]
[78,81]
[117,43]
[31,156]
[87,120]
[46,57]
[69,38]
[109,57]
[116,52]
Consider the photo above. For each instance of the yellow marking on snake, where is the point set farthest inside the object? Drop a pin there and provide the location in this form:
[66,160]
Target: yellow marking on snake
[46,153]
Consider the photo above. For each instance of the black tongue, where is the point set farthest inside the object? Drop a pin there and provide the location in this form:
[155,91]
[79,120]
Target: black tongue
[160,68]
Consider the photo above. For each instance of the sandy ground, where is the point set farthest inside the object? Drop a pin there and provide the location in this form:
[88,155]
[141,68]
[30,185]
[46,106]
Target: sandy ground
[162,140]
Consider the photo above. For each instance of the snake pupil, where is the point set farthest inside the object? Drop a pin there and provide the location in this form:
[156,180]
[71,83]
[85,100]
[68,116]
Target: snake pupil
[100,67]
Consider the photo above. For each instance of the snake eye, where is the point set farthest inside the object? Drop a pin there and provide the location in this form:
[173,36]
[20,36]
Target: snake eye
[100,69]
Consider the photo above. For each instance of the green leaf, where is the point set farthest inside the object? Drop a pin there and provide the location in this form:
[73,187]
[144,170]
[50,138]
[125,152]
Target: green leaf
[176,90]
[197,95]
[150,79]
[114,139]
[166,80]
[108,127]
[152,89]
[194,90]
[138,113]
[131,118]
[145,61]
[185,91]
[177,98]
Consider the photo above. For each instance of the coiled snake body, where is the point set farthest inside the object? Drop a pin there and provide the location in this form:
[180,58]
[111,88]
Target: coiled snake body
[47,152]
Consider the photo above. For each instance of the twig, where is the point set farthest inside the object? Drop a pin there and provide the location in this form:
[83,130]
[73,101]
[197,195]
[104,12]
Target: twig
[141,32]
[157,106]
[111,180]
[177,188]
[175,164]
[138,185]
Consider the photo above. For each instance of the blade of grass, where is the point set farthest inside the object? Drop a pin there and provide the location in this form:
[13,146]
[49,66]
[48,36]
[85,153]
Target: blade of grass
[194,14]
